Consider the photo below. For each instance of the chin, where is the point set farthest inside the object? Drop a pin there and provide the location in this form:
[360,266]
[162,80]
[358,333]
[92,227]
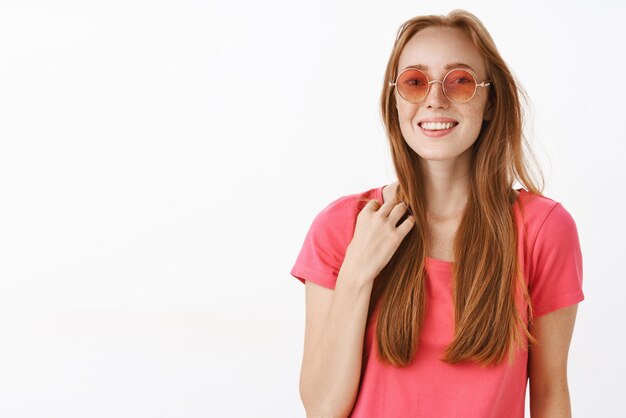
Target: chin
[441,155]
[437,157]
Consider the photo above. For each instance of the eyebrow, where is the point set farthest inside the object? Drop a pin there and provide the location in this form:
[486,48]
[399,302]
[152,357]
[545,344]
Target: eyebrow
[447,67]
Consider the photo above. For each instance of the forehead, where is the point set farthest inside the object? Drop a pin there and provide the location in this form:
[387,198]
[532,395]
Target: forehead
[436,47]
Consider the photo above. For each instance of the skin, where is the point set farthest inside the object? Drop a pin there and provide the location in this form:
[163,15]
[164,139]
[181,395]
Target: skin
[445,161]
[547,364]
[445,165]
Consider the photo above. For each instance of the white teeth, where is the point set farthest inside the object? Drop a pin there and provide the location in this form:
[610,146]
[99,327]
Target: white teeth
[436,126]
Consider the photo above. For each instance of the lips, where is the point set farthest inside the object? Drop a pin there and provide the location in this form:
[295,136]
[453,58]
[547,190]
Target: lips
[437,119]
[437,126]
[437,123]
[437,129]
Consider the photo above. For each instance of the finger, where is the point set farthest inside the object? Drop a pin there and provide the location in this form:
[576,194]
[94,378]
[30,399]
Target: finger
[397,212]
[406,226]
[372,205]
[387,207]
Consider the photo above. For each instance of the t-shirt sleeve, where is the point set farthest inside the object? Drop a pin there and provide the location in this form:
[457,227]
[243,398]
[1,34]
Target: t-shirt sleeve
[325,244]
[558,267]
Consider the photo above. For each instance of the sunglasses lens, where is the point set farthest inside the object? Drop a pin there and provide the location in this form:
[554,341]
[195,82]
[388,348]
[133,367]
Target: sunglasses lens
[459,86]
[412,85]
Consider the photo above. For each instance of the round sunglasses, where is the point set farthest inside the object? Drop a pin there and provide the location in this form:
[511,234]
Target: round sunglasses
[459,85]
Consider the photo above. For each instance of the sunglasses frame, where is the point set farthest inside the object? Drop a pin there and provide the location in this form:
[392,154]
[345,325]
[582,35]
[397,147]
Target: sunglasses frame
[477,84]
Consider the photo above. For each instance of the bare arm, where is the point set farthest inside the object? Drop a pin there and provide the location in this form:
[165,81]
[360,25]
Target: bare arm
[331,370]
[549,392]
[336,319]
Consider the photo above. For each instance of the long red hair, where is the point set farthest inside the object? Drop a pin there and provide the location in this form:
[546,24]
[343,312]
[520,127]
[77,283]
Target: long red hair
[486,277]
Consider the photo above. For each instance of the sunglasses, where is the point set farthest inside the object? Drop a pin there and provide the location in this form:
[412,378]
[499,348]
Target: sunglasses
[459,85]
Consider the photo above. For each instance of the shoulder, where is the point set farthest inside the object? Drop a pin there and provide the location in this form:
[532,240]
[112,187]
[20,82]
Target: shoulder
[343,210]
[555,263]
[542,213]
[551,235]
[535,206]
[336,221]
[331,232]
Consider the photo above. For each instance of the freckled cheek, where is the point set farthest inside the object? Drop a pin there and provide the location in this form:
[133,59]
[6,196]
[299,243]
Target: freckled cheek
[474,112]
[406,111]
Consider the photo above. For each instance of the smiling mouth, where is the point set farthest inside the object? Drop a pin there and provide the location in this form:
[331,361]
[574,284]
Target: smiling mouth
[437,126]
[437,129]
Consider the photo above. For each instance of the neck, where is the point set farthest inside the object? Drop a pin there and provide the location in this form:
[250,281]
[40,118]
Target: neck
[447,186]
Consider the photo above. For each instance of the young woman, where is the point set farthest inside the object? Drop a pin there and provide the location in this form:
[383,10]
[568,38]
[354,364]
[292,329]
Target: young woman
[443,293]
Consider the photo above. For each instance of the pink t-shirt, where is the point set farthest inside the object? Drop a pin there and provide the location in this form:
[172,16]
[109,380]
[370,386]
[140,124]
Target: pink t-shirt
[549,249]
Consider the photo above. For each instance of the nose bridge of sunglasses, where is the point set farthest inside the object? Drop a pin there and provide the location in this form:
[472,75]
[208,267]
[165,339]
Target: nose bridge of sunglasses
[430,89]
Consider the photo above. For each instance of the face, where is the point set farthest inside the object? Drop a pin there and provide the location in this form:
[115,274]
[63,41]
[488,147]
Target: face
[434,48]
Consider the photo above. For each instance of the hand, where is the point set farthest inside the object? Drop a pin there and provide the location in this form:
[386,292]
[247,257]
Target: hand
[376,238]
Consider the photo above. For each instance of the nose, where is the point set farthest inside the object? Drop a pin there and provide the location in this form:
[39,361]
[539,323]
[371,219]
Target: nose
[436,97]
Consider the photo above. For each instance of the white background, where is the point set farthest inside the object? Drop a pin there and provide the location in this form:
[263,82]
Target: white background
[161,163]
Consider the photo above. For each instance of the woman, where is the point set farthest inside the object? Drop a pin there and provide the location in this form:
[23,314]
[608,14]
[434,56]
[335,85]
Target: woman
[442,294]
